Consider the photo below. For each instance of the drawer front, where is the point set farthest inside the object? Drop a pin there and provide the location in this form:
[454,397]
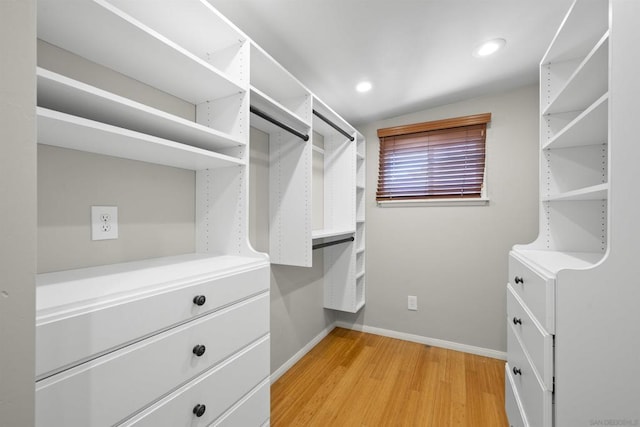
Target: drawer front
[109,389]
[512,403]
[217,389]
[536,290]
[534,397]
[253,410]
[536,341]
[110,327]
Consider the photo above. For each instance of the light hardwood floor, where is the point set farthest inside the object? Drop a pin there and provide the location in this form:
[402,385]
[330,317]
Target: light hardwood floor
[356,379]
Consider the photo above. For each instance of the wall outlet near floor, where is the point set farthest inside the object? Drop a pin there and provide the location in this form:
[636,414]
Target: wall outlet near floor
[104,222]
[412,303]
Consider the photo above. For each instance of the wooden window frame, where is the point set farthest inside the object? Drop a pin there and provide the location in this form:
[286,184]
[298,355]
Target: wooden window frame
[436,125]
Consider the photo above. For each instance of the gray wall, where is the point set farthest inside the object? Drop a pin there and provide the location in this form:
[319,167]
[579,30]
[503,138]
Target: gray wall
[297,313]
[454,259]
[17,211]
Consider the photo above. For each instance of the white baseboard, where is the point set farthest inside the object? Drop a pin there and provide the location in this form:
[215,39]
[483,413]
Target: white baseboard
[300,354]
[480,351]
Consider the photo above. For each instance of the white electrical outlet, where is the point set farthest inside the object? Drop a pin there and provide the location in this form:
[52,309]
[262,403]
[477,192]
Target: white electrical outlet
[412,303]
[104,222]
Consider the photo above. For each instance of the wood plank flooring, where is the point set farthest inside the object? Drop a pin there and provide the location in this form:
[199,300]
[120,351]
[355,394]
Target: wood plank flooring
[356,379]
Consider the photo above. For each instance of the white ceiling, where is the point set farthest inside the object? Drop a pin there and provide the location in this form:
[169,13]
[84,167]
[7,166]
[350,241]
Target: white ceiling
[416,53]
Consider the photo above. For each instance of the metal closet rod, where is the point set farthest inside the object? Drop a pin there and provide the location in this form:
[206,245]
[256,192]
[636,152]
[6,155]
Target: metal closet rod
[335,242]
[333,125]
[278,123]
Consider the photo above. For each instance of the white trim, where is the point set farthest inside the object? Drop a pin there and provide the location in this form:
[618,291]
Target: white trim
[300,354]
[433,202]
[480,351]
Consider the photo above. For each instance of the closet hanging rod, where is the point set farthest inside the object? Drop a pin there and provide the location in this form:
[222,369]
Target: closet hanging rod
[335,242]
[278,123]
[333,125]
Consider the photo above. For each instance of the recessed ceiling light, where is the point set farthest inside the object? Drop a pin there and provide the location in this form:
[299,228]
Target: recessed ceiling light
[489,47]
[363,87]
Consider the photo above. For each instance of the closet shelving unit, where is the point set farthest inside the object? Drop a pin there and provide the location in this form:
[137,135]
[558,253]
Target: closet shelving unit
[572,294]
[99,323]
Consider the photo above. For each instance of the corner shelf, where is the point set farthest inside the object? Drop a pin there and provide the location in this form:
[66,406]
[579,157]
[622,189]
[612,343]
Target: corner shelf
[589,128]
[70,96]
[276,110]
[587,83]
[595,192]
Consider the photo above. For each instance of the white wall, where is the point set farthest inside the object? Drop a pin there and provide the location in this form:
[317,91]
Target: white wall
[17,211]
[454,259]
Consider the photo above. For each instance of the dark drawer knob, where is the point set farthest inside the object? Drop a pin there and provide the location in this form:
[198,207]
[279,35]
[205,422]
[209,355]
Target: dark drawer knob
[518,279]
[199,300]
[199,410]
[516,371]
[199,350]
[517,321]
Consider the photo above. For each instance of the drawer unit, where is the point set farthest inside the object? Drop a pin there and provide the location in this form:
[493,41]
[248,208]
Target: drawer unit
[536,400]
[512,401]
[111,323]
[109,389]
[536,289]
[537,343]
[212,393]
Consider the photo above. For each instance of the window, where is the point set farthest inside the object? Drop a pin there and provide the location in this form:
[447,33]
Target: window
[437,160]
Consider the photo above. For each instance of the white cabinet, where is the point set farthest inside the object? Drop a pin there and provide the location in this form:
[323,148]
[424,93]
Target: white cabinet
[572,295]
[148,338]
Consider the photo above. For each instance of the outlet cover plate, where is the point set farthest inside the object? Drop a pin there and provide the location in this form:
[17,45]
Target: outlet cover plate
[412,303]
[104,222]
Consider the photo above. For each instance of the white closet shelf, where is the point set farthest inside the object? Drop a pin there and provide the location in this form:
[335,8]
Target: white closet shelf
[64,291]
[572,41]
[325,129]
[360,251]
[360,275]
[595,192]
[587,83]
[273,108]
[269,77]
[360,157]
[359,187]
[159,62]
[321,234]
[70,96]
[554,261]
[67,131]
[589,128]
[208,31]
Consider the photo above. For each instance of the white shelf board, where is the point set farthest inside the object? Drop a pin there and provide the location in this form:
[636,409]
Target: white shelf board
[62,291]
[586,84]
[359,187]
[208,31]
[271,78]
[359,156]
[63,130]
[101,33]
[589,128]
[573,39]
[70,96]
[321,234]
[360,251]
[595,192]
[554,261]
[359,275]
[276,110]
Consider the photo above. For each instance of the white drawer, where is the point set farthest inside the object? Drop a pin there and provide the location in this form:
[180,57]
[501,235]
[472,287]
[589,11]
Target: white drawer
[534,288]
[253,410]
[63,340]
[110,388]
[512,403]
[536,341]
[217,389]
[534,397]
